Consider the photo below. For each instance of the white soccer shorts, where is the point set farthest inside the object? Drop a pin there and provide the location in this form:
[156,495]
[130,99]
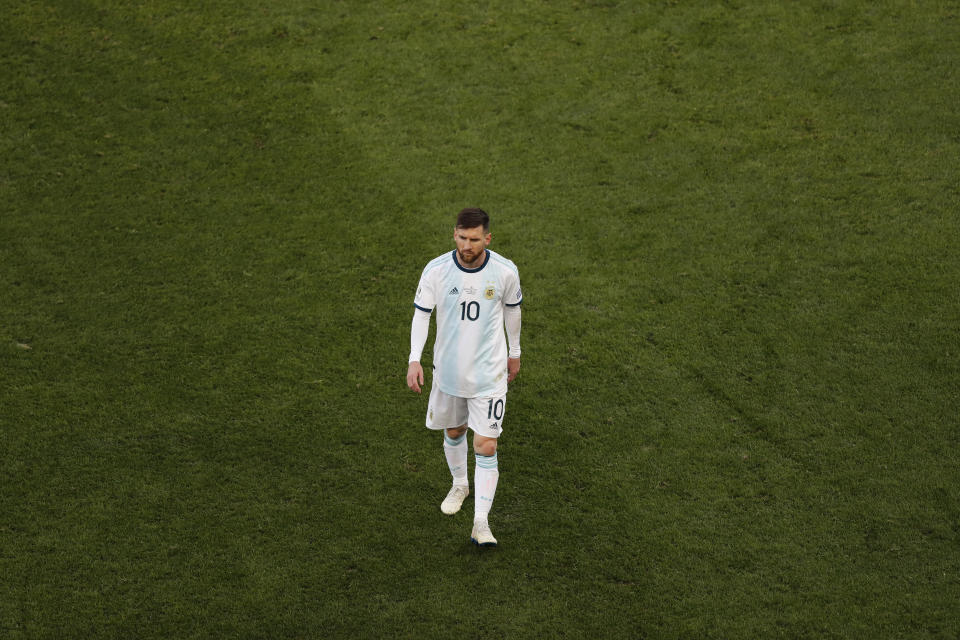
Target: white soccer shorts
[483,415]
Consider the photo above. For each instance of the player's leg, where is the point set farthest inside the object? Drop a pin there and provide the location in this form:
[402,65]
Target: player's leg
[450,413]
[455,450]
[486,420]
[486,475]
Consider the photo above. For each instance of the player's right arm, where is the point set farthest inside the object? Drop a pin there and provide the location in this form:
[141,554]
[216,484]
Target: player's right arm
[415,376]
[419,329]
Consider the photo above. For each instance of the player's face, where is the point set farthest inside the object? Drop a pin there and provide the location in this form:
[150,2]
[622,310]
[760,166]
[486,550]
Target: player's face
[471,244]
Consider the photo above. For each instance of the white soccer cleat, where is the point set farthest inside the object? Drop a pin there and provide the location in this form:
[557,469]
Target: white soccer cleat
[451,504]
[481,535]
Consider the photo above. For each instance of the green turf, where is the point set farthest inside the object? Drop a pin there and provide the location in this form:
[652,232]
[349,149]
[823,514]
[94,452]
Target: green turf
[736,228]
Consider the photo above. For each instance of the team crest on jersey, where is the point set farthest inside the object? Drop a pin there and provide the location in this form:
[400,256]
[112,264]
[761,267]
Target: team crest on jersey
[489,293]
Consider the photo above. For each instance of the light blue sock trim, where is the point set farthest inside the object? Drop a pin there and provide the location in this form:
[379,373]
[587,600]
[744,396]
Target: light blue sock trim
[454,443]
[486,462]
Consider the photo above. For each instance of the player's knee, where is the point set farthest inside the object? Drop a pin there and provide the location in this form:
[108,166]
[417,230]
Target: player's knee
[484,446]
[457,432]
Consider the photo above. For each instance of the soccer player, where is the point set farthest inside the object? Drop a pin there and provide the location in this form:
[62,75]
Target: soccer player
[476,293]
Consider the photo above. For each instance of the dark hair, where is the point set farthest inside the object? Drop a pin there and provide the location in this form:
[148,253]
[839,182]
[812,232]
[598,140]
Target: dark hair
[473,217]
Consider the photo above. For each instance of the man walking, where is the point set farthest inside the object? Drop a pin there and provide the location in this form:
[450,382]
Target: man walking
[476,293]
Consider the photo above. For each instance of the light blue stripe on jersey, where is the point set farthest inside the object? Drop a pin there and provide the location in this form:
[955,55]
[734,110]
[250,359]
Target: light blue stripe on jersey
[449,367]
[499,259]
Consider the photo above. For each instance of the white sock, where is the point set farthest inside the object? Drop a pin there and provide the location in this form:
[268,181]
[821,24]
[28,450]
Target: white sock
[485,476]
[456,453]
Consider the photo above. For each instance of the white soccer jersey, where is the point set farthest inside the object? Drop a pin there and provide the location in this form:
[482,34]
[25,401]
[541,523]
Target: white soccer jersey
[470,351]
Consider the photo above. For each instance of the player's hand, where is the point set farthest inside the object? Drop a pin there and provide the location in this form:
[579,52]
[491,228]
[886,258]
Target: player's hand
[415,376]
[513,368]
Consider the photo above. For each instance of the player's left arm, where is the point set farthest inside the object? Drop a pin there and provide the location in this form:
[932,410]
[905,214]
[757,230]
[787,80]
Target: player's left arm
[511,321]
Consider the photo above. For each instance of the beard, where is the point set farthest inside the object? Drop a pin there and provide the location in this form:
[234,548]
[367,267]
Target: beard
[468,258]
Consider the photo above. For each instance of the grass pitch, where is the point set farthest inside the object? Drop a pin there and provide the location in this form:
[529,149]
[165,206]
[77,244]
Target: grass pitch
[736,228]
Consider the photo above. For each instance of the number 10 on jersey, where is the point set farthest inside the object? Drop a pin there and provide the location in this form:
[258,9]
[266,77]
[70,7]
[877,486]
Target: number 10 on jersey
[469,310]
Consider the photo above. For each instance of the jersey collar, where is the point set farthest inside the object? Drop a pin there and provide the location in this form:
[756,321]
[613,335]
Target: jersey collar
[486,259]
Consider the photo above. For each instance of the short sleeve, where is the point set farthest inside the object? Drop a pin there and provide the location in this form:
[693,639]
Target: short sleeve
[513,294]
[425,299]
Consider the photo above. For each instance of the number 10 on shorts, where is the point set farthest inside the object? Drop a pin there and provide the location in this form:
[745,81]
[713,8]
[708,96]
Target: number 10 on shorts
[495,409]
